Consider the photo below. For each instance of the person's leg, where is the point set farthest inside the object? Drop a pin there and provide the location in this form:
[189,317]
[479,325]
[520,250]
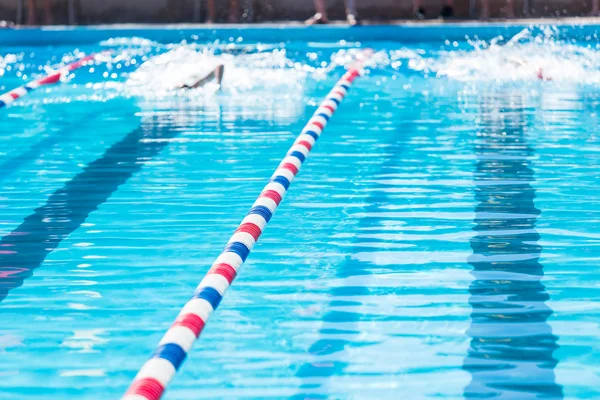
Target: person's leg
[321,16]
[447,9]
[320,7]
[485,9]
[510,8]
[351,7]
[351,12]
[212,11]
[31,12]
[418,10]
[234,11]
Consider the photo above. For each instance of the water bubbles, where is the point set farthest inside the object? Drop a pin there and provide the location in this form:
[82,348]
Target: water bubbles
[129,42]
[11,58]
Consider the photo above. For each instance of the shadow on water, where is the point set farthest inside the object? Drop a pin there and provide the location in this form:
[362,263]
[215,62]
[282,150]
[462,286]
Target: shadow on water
[13,164]
[314,374]
[512,345]
[25,248]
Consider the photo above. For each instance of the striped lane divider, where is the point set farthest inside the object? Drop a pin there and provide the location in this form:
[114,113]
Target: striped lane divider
[10,97]
[159,370]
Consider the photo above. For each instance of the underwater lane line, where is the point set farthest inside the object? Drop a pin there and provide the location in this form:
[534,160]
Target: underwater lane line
[511,352]
[159,370]
[26,247]
[13,165]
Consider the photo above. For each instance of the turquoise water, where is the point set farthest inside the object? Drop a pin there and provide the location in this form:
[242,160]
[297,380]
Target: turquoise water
[441,241]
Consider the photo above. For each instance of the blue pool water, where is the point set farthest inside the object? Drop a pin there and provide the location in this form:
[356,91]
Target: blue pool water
[441,241]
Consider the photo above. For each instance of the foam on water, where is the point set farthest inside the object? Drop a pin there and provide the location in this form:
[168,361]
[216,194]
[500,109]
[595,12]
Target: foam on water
[7,60]
[257,76]
[129,42]
[164,73]
[257,80]
[532,55]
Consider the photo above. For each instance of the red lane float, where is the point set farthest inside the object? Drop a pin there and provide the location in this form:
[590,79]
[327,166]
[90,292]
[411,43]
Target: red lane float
[10,97]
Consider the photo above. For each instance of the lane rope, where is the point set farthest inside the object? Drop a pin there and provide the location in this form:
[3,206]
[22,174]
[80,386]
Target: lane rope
[10,97]
[159,370]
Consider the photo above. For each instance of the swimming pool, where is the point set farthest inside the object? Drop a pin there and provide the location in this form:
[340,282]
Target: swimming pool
[439,242]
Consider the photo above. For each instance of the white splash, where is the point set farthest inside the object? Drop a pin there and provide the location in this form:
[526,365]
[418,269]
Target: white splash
[163,74]
[266,83]
[529,56]
[129,42]
[166,73]
[8,59]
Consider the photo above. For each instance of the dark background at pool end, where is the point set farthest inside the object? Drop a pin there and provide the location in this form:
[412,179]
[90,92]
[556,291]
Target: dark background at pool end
[163,11]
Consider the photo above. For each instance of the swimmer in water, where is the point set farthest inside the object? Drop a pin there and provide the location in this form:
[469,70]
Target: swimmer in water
[520,63]
[201,79]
